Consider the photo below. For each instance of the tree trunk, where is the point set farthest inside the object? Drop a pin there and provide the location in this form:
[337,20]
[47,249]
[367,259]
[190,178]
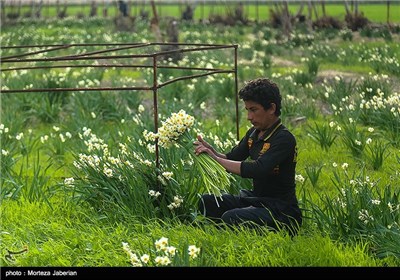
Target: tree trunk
[300,10]
[346,6]
[287,25]
[323,8]
[315,11]
[355,8]
[154,24]
[309,16]
[38,11]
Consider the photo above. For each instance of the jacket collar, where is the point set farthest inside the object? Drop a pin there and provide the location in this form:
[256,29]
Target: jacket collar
[268,133]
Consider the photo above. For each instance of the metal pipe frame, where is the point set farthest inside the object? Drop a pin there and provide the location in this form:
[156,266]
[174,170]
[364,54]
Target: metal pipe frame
[95,56]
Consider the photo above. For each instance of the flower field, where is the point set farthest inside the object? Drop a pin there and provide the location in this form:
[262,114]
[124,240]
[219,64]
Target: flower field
[81,187]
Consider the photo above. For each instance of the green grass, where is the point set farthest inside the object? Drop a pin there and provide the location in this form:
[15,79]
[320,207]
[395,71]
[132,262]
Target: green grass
[374,12]
[355,69]
[73,236]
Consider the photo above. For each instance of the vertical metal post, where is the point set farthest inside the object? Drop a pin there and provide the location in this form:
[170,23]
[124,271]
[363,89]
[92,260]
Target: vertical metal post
[202,12]
[236,95]
[388,13]
[155,108]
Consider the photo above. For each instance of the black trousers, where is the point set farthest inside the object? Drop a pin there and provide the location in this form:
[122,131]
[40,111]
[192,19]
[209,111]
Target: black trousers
[236,210]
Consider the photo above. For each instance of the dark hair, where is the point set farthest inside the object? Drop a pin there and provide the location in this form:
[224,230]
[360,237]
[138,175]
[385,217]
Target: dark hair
[262,91]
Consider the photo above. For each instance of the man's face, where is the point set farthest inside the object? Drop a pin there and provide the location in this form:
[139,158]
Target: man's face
[259,117]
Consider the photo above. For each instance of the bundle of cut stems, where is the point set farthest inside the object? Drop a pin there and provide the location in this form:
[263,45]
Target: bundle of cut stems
[176,130]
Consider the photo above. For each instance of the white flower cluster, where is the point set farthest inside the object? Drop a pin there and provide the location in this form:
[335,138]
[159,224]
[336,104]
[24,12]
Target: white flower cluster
[177,202]
[165,253]
[299,178]
[173,127]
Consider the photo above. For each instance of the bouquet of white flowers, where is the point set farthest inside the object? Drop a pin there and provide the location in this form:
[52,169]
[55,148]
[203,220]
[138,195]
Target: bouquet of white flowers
[176,130]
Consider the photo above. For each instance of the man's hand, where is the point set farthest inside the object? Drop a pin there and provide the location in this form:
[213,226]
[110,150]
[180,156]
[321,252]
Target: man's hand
[202,146]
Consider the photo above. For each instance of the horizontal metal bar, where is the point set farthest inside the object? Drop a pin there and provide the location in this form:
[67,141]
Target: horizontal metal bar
[194,76]
[107,66]
[75,89]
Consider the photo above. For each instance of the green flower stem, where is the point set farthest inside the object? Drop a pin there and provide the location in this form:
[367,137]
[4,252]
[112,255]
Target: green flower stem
[213,175]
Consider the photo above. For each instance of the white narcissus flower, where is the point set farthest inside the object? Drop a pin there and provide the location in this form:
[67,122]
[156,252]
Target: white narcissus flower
[167,175]
[161,244]
[193,251]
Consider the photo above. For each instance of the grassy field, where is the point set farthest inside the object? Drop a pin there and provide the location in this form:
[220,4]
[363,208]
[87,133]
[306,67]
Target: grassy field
[378,13]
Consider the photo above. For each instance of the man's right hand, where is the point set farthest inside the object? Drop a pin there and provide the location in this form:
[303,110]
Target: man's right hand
[202,146]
